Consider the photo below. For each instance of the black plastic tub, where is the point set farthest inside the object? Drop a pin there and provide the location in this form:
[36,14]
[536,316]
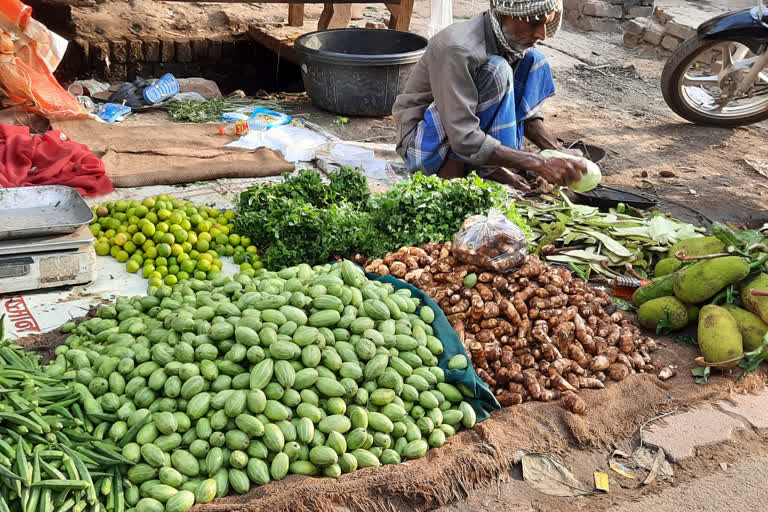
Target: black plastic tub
[358,71]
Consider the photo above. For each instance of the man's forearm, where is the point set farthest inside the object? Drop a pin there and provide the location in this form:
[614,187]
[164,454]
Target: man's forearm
[536,132]
[516,159]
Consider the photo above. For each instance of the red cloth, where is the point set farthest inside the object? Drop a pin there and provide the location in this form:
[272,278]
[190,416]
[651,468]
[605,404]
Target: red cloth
[49,159]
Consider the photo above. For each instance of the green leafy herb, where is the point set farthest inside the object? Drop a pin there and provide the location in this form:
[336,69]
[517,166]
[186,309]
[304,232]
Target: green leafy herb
[685,340]
[665,324]
[624,305]
[741,241]
[751,360]
[701,373]
[303,219]
[195,111]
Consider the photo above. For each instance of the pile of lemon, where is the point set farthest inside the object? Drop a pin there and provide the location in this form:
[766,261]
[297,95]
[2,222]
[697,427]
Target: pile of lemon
[170,239]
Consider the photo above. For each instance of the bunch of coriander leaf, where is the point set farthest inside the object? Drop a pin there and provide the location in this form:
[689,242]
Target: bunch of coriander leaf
[304,220]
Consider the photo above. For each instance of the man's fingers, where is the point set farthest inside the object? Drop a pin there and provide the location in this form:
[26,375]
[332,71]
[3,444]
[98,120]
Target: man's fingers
[520,184]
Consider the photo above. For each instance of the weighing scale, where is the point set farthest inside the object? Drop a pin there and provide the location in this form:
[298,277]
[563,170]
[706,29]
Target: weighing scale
[44,238]
[47,262]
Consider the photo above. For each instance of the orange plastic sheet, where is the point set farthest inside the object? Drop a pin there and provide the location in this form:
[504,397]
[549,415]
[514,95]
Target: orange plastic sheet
[27,61]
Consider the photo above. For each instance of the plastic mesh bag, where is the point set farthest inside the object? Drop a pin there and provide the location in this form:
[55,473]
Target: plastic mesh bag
[492,242]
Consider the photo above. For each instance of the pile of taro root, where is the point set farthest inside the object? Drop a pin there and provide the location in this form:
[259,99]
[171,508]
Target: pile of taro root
[536,333]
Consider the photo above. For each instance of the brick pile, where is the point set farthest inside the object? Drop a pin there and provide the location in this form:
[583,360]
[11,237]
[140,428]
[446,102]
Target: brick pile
[658,30]
[605,15]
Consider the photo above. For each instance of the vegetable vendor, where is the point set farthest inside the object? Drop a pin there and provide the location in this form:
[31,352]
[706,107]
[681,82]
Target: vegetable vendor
[477,92]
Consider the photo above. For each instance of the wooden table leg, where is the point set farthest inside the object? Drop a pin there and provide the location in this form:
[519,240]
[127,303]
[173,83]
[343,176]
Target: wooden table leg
[400,18]
[295,15]
[335,16]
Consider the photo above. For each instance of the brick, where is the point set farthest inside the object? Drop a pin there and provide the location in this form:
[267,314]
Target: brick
[670,43]
[573,5]
[151,51]
[167,50]
[602,10]
[635,27]
[632,40]
[99,52]
[678,30]
[638,12]
[199,48]
[684,432]
[119,51]
[214,49]
[135,52]
[227,48]
[653,35]
[183,51]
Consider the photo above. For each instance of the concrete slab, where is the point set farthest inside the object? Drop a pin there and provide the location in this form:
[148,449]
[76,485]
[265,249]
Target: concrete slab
[683,432]
[752,408]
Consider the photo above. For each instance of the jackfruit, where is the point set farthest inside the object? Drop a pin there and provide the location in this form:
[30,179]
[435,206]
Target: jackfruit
[667,266]
[702,280]
[654,310]
[719,336]
[752,328]
[755,303]
[659,287]
[693,313]
[698,246]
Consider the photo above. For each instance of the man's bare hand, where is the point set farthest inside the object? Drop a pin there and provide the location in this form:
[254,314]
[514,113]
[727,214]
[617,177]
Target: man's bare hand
[560,171]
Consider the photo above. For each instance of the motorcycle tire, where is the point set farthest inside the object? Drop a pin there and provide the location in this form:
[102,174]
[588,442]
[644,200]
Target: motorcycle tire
[675,67]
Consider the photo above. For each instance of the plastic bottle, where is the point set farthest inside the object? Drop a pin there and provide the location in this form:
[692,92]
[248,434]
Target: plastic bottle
[237,128]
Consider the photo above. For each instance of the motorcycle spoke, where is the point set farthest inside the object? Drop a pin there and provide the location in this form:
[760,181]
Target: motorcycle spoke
[701,81]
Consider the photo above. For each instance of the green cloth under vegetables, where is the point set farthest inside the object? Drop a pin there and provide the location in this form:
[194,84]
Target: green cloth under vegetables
[484,402]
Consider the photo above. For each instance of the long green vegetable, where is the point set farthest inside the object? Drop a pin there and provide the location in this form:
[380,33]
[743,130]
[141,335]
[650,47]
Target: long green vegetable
[613,238]
[38,462]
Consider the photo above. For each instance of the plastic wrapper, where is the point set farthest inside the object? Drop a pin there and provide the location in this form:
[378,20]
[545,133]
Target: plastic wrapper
[492,242]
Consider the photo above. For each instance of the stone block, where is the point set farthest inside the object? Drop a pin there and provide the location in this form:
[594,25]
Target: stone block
[183,51]
[683,432]
[119,51]
[594,24]
[653,34]
[135,52]
[208,89]
[678,30]
[151,51]
[602,10]
[635,27]
[167,50]
[638,12]
[670,43]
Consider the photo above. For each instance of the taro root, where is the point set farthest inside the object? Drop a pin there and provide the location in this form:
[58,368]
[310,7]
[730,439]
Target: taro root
[535,333]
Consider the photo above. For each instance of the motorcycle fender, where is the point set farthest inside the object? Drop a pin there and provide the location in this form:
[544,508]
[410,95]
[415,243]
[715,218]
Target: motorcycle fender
[741,27]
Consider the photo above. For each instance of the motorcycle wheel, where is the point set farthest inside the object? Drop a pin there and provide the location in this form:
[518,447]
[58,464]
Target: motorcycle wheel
[679,100]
